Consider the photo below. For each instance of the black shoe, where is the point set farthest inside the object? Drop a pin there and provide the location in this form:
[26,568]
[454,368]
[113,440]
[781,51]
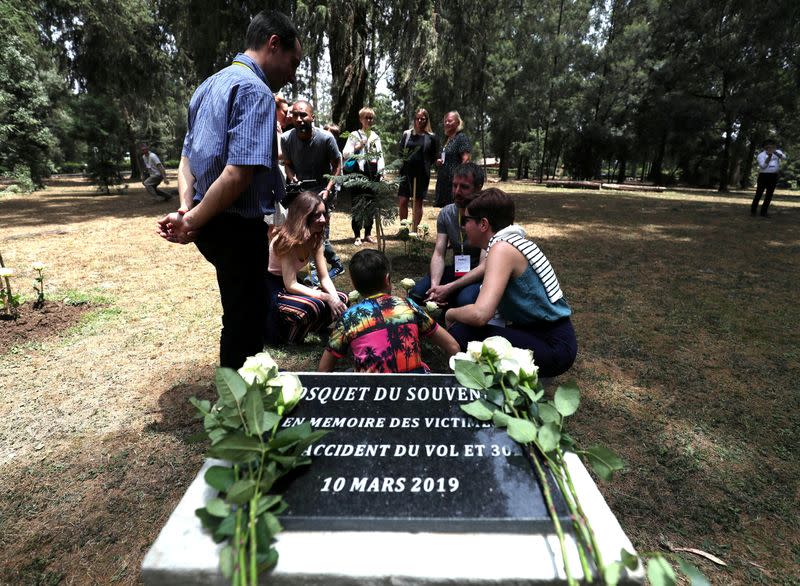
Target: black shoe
[753,213]
[765,215]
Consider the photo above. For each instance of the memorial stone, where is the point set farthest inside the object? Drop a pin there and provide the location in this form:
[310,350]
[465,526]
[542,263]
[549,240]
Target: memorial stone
[402,456]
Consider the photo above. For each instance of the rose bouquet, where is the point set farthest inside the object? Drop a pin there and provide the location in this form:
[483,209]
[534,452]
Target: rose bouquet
[243,427]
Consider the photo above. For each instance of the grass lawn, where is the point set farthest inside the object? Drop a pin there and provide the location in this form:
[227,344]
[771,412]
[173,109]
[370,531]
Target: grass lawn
[689,361]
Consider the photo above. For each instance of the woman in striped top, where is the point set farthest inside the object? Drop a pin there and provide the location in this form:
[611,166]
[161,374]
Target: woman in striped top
[296,308]
[520,299]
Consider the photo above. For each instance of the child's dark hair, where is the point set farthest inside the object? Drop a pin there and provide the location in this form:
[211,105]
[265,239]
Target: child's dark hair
[368,268]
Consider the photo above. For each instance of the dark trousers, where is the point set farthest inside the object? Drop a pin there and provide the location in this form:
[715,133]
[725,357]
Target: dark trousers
[464,296]
[364,216]
[553,343]
[766,181]
[238,249]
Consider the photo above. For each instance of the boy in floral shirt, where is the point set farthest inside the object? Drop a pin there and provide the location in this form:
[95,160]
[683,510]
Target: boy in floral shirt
[382,331]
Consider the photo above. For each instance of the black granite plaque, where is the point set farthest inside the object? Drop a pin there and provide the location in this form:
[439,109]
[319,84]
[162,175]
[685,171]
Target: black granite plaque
[402,456]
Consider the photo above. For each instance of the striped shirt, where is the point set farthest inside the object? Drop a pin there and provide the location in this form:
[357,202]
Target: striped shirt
[536,259]
[231,121]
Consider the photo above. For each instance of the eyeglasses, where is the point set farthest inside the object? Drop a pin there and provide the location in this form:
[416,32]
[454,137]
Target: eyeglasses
[465,219]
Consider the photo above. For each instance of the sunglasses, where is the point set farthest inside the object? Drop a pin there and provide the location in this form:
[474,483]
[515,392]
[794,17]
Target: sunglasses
[465,219]
[314,216]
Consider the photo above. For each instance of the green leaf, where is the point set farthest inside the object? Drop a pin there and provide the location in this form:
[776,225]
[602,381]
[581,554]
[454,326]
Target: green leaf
[237,448]
[479,409]
[695,576]
[270,420]
[567,399]
[290,435]
[203,407]
[230,386]
[254,412]
[500,419]
[268,476]
[629,560]
[521,430]
[273,525]
[219,477]
[300,446]
[209,521]
[225,529]
[216,507]
[217,435]
[659,572]
[227,561]
[549,414]
[612,572]
[266,560]
[266,502]
[549,436]
[470,374]
[604,462]
[495,396]
[241,491]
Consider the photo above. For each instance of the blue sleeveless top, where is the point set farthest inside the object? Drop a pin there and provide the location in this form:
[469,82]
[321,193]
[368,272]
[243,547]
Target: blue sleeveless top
[525,301]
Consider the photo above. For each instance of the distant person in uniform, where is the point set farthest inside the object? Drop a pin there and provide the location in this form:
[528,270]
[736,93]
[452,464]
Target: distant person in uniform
[769,164]
[155,175]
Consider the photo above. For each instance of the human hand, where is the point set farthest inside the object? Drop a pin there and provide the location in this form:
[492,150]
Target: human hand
[438,293]
[336,305]
[324,194]
[166,181]
[174,228]
[439,162]
[448,321]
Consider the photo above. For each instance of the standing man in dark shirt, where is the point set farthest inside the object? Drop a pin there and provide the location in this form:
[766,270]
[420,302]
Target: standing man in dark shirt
[309,154]
[228,178]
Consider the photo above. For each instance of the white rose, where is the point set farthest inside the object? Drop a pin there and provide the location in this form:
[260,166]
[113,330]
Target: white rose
[412,234]
[256,368]
[459,356]
[431,306]
[527,367]
[354,296]
[404,222]
[291,389]
[475,349]
[37,266]
[6,272]
[407,283]
[497,347]
[508,365]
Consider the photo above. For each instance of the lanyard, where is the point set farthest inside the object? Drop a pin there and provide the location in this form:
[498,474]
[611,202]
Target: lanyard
[460,232]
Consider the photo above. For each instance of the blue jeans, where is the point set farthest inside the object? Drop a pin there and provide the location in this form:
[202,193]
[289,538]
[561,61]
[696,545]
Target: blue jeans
[464,296]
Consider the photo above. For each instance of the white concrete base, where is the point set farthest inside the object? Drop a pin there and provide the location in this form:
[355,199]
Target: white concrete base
[184,554]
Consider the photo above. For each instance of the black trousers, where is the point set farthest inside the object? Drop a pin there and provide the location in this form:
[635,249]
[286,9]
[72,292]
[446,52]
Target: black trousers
[239,250]
[766,181]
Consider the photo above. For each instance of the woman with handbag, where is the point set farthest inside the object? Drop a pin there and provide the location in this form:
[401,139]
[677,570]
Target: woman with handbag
[366,144]
[420,148]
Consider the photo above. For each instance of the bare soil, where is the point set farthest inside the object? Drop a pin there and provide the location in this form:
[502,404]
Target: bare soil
[32,325]
[688,326]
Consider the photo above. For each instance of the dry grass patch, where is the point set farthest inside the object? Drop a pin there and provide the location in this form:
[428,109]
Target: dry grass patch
[688,329]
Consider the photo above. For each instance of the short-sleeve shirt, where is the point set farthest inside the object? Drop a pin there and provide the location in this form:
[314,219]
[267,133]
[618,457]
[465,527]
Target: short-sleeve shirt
[383,333]
[231,121]
[310,159]
[151,163]
[448,223]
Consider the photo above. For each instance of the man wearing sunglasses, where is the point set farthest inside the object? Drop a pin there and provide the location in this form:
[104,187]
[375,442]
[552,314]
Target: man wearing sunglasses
[455,284]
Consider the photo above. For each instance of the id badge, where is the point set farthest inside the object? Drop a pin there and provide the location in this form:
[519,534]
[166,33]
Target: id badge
[461,264]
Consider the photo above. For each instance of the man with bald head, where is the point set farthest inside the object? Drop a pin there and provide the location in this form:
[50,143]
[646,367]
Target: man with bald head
[311,153]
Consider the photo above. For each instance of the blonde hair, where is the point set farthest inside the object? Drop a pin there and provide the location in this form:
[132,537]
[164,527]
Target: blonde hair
[458,117]
[295,233]
[363,111]
[428,128]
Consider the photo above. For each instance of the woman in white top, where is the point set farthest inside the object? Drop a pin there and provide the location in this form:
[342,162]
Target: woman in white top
[364,142]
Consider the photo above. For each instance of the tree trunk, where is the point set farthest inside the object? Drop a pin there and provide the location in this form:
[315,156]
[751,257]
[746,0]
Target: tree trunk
[658,161]
[347,48]
[623,172]
[726,154]
[747,166]
[503,171]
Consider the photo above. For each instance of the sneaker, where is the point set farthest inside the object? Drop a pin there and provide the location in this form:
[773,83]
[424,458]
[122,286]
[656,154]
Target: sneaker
[370,239]
[312,280]
[336,270]
[357,242]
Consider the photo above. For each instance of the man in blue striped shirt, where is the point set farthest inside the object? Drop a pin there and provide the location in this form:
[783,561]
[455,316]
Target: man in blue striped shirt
[228,179]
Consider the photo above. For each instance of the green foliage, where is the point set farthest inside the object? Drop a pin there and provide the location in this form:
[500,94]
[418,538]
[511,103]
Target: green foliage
[24,107]
[243,428]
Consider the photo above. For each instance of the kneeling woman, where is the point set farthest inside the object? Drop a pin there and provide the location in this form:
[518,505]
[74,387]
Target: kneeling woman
[520,298]
[296,309]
